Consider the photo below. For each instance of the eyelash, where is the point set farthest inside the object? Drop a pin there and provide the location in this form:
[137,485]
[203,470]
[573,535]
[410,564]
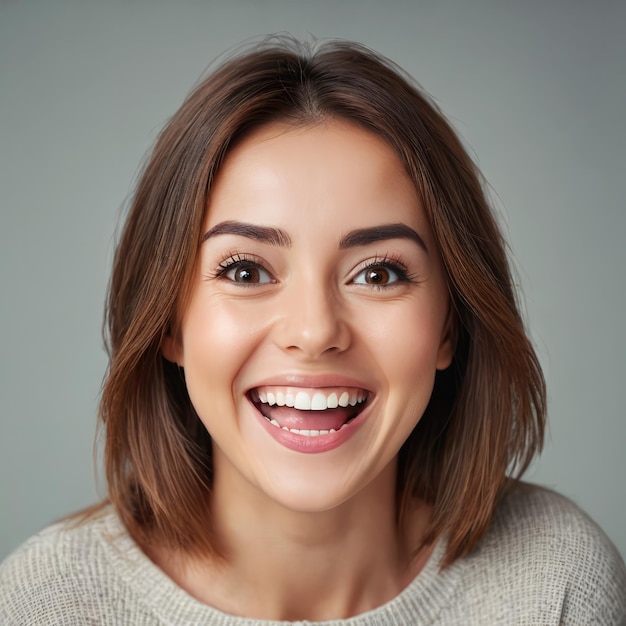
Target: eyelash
[395,264]
[235,260]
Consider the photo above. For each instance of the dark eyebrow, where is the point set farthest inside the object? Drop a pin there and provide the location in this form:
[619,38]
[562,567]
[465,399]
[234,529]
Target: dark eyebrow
[365,236]
[265,234]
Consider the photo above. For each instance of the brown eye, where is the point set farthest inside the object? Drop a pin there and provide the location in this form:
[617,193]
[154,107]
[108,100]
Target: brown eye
[246,273]
[377,276]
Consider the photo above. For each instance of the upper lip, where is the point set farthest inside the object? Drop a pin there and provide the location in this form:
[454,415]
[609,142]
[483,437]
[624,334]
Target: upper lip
[312,381]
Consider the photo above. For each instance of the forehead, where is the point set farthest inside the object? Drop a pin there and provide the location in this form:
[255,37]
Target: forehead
[334,168]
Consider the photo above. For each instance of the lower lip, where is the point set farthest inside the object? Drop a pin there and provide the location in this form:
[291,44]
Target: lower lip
[310,445]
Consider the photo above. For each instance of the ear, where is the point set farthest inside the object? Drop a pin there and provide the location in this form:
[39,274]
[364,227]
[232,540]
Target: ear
[447,347]
[172,349]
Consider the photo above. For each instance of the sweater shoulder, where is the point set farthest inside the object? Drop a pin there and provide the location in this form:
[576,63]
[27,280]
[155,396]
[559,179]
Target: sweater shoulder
[541,517]
[51,578]
[555,554]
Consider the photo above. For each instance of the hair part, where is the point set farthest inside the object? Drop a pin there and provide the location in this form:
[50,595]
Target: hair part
[485,420]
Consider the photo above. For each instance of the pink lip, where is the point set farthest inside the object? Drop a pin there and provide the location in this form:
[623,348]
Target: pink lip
[311,381]
[310,445]
[302,443]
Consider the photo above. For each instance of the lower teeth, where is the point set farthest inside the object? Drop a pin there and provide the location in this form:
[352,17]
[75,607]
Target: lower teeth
[306,433]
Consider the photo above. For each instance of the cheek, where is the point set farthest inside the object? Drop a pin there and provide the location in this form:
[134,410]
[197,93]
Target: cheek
[406,340]
[219,330]
[406,349]
[217,341]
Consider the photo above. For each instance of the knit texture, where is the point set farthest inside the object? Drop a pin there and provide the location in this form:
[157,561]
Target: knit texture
[542,562]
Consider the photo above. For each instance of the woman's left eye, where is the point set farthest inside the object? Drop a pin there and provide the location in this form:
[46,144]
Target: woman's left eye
[378,275]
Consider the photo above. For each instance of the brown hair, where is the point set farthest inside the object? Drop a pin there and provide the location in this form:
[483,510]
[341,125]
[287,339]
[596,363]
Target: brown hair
[485,420]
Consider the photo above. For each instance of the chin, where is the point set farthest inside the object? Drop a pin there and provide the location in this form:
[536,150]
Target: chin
[315,490]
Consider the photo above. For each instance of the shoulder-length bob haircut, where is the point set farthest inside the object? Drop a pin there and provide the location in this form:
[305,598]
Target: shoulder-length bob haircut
[485,420]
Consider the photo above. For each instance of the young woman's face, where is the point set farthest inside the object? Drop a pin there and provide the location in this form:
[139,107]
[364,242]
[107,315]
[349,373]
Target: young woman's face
[318,316]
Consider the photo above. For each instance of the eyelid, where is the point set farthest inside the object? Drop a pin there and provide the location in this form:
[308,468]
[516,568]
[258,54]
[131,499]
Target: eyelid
[394,264]
[393,275]
[233,261]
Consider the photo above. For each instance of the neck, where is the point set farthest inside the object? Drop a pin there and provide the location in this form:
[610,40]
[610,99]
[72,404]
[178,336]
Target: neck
[282,564]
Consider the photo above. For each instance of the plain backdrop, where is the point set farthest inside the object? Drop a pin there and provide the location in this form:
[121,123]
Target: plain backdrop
[536,89]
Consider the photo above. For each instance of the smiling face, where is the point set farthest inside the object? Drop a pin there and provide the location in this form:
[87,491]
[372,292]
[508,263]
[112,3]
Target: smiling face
[318,315]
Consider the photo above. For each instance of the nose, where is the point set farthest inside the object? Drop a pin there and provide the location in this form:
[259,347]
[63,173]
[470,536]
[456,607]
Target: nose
[313,321]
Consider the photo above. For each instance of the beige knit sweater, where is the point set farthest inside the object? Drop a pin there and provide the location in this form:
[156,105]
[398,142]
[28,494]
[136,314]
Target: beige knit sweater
[543,561]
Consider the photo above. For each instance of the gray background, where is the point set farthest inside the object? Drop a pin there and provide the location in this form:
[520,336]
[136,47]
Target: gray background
[537,89]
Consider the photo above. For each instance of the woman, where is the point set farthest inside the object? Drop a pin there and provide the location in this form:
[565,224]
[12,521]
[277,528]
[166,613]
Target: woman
[320,396]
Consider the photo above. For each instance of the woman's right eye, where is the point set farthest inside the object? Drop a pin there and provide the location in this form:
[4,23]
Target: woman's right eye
[247,273]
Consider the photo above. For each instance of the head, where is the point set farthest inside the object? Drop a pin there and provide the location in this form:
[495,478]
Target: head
[484,420]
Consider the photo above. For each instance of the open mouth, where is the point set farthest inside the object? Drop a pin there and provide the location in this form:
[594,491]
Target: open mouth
[309,412]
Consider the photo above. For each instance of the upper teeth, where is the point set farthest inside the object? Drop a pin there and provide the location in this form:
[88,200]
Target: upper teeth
[311,401]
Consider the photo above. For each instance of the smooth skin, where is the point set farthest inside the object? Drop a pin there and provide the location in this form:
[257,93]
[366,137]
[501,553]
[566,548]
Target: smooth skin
[294,288]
